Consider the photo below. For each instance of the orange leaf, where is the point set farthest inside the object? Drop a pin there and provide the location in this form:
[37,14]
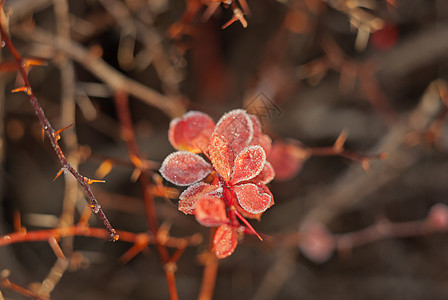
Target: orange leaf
[266,175]
[189,197]
[191,132]
[236,128]
[222,156]
[286,159]
[259,138]
[225,241]
[248,164]
[210,211]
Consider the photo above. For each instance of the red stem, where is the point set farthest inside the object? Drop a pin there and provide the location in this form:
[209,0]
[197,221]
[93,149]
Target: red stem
[128,135]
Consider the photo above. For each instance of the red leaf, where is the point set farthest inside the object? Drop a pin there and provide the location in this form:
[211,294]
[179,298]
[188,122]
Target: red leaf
[259,138]
[236,127]
[438,217]
[184,168]
[252,198]
[222,156]
[261,189]
[316,243]
[225,241]
[286,159]
[248,164]
[385,38]
[247,214]
[189,197]
[266,175]
[210,211]
[191,132]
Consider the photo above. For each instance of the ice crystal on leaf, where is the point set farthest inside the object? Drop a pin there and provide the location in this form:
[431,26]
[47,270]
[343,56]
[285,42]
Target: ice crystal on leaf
[237,150]
[184,168]
[210,211]
[225,241]
[248,164]
[189,197]
[252,198]
[191,132]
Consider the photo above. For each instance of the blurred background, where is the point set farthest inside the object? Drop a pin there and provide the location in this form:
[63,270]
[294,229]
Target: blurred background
[309,68]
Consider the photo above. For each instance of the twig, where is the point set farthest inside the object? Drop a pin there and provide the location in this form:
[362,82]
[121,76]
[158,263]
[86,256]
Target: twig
[122,106]
[68,112]
[6,283]
[56,272]
[54,136]
[99,233]
[355,185]
[210,271]
[173,107]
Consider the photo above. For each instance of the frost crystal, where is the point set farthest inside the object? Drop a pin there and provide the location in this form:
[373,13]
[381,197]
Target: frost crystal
[184,168]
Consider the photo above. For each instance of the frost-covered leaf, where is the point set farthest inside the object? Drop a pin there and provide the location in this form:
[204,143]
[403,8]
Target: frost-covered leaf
[236,127]
[191,132]
[225,241]
[221,155]
[189,197]
[252,198]
[287,159]
[266,175]
[261,189]
[248,164]
[184,168]
[259,138]
[210,211]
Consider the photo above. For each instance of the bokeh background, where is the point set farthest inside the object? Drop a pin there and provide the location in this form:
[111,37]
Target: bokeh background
[375,68]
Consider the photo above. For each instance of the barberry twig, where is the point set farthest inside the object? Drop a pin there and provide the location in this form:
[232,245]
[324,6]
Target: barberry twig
[210,270]
[128,135]
[338,149]
[68,113]
[6,283]
[171,106]
[99,233]
[52,134]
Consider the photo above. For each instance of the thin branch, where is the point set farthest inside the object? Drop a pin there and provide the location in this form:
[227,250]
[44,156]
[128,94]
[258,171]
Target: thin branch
[68,112]
[128,135]
[172,106]
[56,272]
[99,233]
[210,271]
[6,283]
[54,135]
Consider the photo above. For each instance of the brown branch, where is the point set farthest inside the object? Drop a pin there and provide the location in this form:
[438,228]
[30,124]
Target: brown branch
[54,135]
[68,112]
[6,283]
[210,271]
[99,233]
[128,135]
[172,106]
[56,272]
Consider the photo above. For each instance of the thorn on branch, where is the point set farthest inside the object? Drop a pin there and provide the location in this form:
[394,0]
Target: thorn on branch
[22,89]
[59,174]
[90,181]
[238,15]
[57,135]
